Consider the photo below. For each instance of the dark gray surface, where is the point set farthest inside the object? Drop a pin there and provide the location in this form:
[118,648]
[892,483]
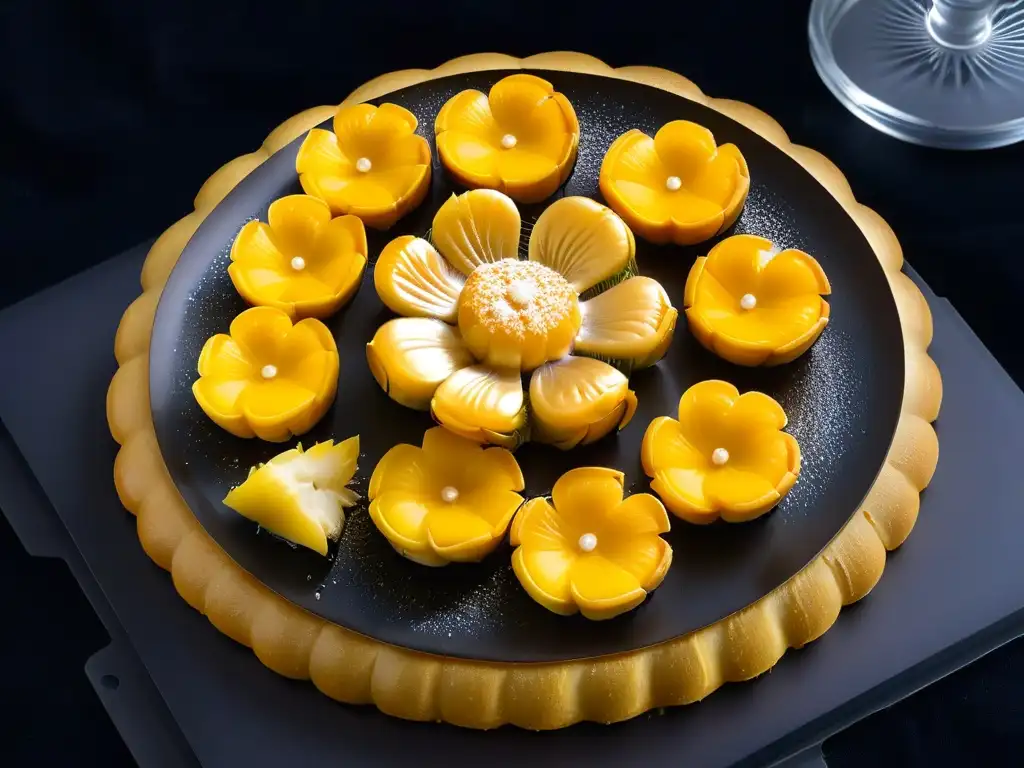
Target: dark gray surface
[842,399]
[954,592]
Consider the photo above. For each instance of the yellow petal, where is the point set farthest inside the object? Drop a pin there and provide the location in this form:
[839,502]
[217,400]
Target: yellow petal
[537,526]
[468,466]
[583,495]
[343,236]
[732,489]
[628,321]
[575,392]
[703,413]
[275,400]
[295,221]
[405,470]
[650,203]
[413,280]
[521,167]
[495,507]
[682,490]
[646,558]
[477,227]
[479,398]
[584,241]
[222,357]
[544,575]
[734,262]
[513,100]
[411,356]
[665,446]
[639,515]
[692,210]
[602,589]
[790,274]
[374,191]
[684,147]
[468,112]
[320,154]
[454,527]
[717,181]
[472,159]
[364,130]
[260,333]
[255,247]
[633,158]
[402,518]
[220,397]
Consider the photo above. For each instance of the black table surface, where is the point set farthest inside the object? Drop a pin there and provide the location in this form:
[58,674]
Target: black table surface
[115,113]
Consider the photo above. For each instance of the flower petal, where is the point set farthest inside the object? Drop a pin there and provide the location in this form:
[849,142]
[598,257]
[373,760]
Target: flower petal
[480,399]
[584,241]
[684,147]
[468,112]
[404,469]
[376,133]
[703,413]
[653,205]
[790,274]
[454,531]
[295,221]
[584,496]
[514,99]
[602,589]
[717,181]
[413,280]
[638,515]
[544,575]
[493,506]
[734,490]
[629,321]
[520,167]
[537,526]
[772,326]
[734,262]
[477,227]
[255,247]
[575,392]
[692,210]
[320,154]
[219,396]
[474,160]
[634,158]
[224,358]
[646,558]
[275,400]
[411,356]
[469,466]
[308,356]
[402,518]
[682,490]
[260,333]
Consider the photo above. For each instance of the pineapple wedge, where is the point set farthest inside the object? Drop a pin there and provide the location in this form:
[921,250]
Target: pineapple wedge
[301,495]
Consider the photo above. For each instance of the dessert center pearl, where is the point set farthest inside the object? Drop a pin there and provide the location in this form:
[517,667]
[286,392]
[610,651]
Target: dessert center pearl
[748,301]
[521,292]
[719,456]
[268,371]
[508,141]
[363,164]
[450,494]
[298,263]
[673,183]
[588,542]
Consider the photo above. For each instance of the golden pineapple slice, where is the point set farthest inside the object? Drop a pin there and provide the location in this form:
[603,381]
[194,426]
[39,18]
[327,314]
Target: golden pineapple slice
[632,321]
[577,400]
[583,241]
[482,404]
[301,495]
[477,227]
[413,280]
[410,356]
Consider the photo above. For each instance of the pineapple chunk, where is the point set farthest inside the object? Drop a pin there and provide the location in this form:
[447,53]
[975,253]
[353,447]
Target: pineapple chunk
[301,495]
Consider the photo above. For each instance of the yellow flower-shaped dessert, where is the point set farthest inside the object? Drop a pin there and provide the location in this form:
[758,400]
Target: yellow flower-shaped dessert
[478,317]
[588,550]
[678,187]
[302,261]
[726,456]
[268,378]
[754,305]
[521,138]
[373,165]
[449,501]
[301,495]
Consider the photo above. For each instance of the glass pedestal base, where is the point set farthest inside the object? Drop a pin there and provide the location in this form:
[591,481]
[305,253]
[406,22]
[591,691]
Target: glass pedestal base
[948,73]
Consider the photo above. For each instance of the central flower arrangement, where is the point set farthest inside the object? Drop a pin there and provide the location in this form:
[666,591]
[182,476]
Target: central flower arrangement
[477,317]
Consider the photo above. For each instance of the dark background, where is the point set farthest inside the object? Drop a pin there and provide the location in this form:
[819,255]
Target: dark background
[113,113]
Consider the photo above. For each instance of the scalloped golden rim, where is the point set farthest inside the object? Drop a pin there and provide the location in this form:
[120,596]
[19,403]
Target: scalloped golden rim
[408,684]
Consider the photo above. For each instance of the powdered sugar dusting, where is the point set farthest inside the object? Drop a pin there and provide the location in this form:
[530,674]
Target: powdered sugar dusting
[517,298]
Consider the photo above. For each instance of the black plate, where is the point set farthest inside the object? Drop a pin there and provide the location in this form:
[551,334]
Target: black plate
[843,400]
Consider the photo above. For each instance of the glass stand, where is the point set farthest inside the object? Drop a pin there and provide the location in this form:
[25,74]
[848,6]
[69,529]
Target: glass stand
[943,73]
